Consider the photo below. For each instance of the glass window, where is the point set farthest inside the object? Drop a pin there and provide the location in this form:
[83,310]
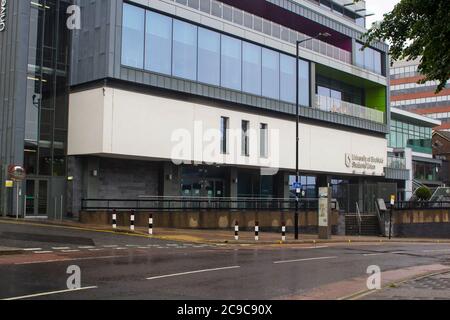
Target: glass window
[336,95]
[322,91]
[264,140]
[208,56]
[158,43]
[251,68]
[377,61]
[368,59]
[245,138]
[184,50]
[224,127]
[304,83]
[231,70]
[270,74]
[287,78]
[133,36]
[359,55]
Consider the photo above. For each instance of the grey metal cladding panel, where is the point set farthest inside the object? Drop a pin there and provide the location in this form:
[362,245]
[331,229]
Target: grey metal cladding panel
[396,174]
[92,51]
[13,81]
[319,18]
[191,87]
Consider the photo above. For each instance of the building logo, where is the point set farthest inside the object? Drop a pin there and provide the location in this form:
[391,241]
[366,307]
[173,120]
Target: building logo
[3,15]
[348,160]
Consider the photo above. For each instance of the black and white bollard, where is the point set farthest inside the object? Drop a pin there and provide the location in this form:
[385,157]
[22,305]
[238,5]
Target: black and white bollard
[132,221]
[236,231]
[114,220]
[283,232]
[150,225]
[256,231]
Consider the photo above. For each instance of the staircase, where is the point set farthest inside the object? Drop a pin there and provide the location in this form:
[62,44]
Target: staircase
[369,225]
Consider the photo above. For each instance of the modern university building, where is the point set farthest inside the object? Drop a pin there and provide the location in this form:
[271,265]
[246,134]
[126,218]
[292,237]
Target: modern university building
[192,98]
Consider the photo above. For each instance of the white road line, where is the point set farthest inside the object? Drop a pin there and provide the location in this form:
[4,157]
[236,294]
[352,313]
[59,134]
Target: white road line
[61,248]
[437,250]
[96,249]
[132,245]
[121,248]
[192,272]
[70,251]
[304,260]
[65,260]
[398,252]
[86,247]
[110,246]
[42,252]
[373,254]
[49,293]
[32,249]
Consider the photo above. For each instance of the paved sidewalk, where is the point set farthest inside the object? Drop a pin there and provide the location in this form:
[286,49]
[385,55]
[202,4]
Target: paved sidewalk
[433,287]
[221,236]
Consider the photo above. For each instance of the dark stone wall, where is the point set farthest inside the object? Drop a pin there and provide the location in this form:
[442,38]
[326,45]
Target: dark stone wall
[126,179]
[423,230]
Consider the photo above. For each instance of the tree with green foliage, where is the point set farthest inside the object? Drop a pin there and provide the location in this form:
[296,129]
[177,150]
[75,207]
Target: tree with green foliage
[418,29]
[423,194]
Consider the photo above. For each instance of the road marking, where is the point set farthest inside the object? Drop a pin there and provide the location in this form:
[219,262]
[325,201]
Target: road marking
[70,251]
[373,254]
[66,259]
[398,252]
[132,245]
[86,247]
[42,252]
[49,293]
[304,260]
[110,246]
[121,248]
[61,248]
[437,250]
[192,272]
[32,249]
[96,249]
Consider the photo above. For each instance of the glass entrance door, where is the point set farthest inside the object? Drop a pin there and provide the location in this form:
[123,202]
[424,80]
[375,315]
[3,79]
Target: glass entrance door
[36,197]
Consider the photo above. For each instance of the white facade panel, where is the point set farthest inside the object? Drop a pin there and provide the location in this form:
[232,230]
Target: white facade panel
[118,122]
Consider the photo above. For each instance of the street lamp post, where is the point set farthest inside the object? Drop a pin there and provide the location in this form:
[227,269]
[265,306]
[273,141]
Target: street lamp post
[297,147]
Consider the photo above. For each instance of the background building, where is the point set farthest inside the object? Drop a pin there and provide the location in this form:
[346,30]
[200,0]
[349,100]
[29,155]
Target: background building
[407,94]
[108,107]
[410,149]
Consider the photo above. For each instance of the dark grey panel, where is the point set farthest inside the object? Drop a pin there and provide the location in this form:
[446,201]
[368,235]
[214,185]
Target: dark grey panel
[324,20]
[93,47]
[397,174]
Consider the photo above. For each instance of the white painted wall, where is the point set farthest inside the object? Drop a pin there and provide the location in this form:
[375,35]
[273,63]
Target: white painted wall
[117,122]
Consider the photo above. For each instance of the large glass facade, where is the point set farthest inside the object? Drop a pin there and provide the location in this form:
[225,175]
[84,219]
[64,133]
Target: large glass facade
[47,90]
[407,135]
[169,46]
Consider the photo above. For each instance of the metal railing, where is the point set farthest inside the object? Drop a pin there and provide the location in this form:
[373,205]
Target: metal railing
[256,23]
[358,215]
[338,106]
[165,204]
[422,205]
[396,163]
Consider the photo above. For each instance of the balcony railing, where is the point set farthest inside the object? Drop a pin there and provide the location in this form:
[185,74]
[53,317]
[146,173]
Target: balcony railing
[267,27]
[334,105]
[396,163]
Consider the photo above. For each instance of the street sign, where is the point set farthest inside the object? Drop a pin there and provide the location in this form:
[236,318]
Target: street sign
[296,185]
[392,200]
[9,184]
[16,173]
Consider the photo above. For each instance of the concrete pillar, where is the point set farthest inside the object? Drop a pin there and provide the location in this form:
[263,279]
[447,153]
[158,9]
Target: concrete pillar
[233,183]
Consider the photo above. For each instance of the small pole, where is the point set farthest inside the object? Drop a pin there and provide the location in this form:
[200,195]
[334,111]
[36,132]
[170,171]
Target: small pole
[390,223]
[256,231]
[114,220]
[236,231]
[283,232]
[150,225]
[132,221]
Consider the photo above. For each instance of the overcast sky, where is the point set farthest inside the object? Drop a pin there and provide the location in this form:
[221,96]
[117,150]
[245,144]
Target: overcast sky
[379,8]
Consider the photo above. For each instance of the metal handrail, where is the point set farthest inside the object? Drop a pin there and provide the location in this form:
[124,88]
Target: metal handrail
[358,213]
[199,203]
